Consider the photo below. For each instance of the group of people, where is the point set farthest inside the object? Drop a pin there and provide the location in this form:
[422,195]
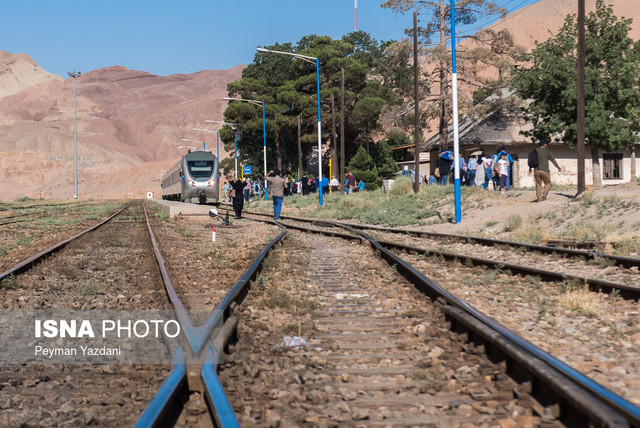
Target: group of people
[239,191]
[480,170]
[483,170]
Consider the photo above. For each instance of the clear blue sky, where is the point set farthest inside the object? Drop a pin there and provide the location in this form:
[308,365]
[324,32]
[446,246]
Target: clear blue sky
[180,36]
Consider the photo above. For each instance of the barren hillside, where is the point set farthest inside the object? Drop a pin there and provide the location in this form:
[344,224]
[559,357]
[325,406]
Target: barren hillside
[130,124]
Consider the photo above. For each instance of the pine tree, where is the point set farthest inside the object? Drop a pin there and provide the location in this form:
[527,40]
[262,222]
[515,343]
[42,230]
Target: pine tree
[363,168]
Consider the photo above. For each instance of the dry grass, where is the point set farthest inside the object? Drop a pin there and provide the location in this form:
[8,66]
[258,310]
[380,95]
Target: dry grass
[581,300]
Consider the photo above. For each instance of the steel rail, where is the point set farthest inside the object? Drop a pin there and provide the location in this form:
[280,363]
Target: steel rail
[619,260]
[26,264]
[214,392]
[220,409]
[624,261]
[598,404]
[626,291]
[601,405]
[629,292]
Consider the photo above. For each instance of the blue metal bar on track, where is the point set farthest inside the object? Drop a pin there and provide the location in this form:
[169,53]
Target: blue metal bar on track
[156,413]
[225,417]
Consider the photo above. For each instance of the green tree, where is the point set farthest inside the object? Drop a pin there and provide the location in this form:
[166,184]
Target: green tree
[383,159]
[363,168]
[612,97]
[291,94]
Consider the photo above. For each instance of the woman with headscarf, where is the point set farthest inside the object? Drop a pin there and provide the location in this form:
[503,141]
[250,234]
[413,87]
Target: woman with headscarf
[237,196]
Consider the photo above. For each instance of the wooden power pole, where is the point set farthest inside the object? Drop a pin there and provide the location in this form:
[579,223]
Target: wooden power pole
[416,151]
[581,102]
[342,136]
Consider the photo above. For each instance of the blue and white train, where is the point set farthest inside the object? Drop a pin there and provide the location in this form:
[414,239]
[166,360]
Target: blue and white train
[195,176]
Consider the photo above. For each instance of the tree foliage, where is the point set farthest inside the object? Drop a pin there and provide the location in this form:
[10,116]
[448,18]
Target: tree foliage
[363,168]
[612,97]
[288,87]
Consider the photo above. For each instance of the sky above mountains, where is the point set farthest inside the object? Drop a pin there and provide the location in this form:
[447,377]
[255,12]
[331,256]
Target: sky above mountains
[183,36]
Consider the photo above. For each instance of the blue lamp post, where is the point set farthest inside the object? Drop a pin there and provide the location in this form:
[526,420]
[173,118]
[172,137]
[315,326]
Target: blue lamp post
[454,91]
[264,137]
[316,61]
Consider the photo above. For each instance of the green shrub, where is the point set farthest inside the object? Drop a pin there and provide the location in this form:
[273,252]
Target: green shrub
[513,222]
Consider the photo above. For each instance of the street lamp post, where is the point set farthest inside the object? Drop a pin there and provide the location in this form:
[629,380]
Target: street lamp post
[312,60]
[454,93]
[194,141]
[75,74]
[235,139]
[264,136]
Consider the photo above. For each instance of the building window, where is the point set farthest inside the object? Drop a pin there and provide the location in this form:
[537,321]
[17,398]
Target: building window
[612,168]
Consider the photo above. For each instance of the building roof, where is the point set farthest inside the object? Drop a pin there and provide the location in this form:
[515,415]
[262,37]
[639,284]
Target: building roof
[499,127]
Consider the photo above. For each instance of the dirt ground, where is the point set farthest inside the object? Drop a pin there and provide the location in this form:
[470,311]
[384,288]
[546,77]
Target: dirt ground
[608,214]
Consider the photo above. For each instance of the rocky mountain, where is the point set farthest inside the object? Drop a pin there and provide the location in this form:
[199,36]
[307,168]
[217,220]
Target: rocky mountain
[540,20]
[130,124]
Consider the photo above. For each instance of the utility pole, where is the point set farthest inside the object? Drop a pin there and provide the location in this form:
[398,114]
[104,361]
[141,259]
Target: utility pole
[416,150]
[581,102]
[299,152]
[355,15]
[342,114]
[334,138]
[443,139]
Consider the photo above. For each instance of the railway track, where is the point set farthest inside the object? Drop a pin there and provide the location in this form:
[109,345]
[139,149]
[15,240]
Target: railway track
[26,232]
[629,410]
[548,263]
[358,345]
[108,267]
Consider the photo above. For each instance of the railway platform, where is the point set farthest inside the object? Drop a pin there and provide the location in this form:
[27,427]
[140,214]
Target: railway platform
[174,208]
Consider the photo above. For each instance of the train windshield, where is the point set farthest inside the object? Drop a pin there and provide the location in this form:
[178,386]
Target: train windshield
[200,169]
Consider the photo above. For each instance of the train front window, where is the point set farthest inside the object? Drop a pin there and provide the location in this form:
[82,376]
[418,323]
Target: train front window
[200,169]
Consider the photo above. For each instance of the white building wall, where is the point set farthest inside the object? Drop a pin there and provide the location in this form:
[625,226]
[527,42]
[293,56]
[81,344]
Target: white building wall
[566,158]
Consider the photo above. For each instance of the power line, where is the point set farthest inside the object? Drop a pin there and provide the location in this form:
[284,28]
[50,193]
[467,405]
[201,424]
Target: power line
[474,30]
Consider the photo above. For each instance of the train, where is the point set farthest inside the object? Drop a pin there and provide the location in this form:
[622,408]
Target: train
[195,176]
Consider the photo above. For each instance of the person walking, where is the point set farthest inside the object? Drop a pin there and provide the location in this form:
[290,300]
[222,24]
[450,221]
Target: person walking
[502,169]
[237,196]
[335,184]
[471,170]
[351,182]
[226,189]
[276,184]
[541,172]
[444,165]
[247,189]
[479,175]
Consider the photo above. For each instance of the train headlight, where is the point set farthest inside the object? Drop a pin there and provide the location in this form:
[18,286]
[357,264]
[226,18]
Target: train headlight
[210,182]
[191,183]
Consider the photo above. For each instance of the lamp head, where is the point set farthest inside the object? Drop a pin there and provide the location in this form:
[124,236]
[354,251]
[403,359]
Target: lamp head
[261,50]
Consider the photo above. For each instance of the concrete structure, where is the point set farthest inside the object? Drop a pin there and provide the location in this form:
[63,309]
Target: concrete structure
[174,208]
